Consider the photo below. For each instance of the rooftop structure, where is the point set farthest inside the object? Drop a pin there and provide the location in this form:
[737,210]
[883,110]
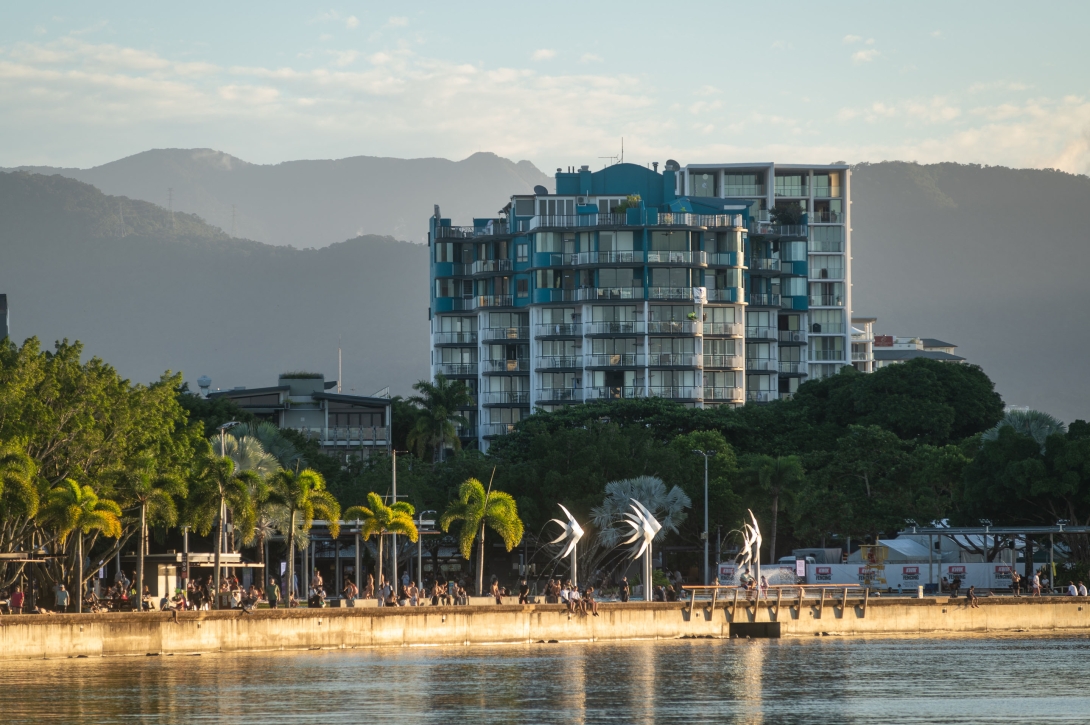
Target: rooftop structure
[349,425]
[709,284]
[871,352]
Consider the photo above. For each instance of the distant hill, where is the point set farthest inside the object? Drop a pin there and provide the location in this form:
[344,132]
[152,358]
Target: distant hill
[314,203]
[185,296]
[988,258]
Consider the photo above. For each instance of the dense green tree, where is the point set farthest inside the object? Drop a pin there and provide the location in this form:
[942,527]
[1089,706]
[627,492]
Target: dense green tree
[303,495]
[779,477]
[437,424]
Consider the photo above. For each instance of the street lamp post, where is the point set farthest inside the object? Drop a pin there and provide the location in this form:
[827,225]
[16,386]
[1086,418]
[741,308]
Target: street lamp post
[704,535]
[221,528]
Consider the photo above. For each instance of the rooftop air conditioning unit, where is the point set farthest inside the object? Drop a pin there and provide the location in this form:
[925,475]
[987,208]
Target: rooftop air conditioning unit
[581,200]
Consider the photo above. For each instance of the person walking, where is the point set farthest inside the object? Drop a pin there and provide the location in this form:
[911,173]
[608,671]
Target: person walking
[625,590]
[62,599]
[971,596]
[1035,584]
[273,594]
[16,602]
[524,592]
[1016,584]
[494,591]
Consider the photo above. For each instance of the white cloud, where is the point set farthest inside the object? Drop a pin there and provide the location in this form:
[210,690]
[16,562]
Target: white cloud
[351,22]
[399,22]
[936,33]
[849,39]
[590,58]
[998,86]
[543,54]
[865,56]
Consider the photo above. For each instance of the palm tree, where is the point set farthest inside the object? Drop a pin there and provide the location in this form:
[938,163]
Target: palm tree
[379,519]
[1033,423]
[777,476]
[18,492]
[273,441]
[218,488]
[303,494]
[69,508]
[477,508]
[247,452]
[439,418]
[667,506]
[155,497]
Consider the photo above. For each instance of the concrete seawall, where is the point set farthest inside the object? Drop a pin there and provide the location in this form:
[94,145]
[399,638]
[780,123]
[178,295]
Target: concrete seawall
[95,635]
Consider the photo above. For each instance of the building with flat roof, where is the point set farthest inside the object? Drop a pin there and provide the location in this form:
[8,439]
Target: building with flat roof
[872,352]
[349,425]
[709,284]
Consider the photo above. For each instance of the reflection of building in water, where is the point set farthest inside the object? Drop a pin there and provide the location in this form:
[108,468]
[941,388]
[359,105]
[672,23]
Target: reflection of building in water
[747,680]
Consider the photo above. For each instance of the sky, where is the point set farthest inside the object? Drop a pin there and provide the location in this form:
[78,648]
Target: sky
[997,83]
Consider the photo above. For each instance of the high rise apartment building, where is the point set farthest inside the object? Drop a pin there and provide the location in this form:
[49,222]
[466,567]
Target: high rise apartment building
[709,284]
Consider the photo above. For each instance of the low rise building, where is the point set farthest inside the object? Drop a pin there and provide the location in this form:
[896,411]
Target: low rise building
[872,352]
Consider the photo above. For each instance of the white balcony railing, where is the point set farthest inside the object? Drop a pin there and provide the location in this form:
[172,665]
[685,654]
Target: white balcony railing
[505,333]
[792,335]
[559,329]
[609,257]
[456,368]
[724,361]
[483,266]
[754,364]
[761,396]
[346,435]
[761,333]
[635,327]
[677,392]
[496,429]
[728,329]
[792,368]
[729,395]
[559,395]
[493,301]
[613,393]
[667,257]
[674,359]
[826,355]
[861,357]
[560,362]
[670,293]
[455,338]
[505,397]
[505,366]
[615,360]
[609,293]
[675,327]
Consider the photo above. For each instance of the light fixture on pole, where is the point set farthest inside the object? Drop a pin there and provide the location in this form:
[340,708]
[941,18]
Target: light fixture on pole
[704,535]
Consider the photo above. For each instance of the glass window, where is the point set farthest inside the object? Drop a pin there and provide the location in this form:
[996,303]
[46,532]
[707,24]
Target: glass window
[827,266]
[522,287]
[704,183]
[557,315]
[719,314]
[671,313]
[670,241]
[827,321]
[793,286]
[616,313]
[547,242]
[718,347]
[523,252]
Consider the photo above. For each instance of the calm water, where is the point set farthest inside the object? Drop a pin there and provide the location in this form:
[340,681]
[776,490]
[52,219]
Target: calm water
[1039,680]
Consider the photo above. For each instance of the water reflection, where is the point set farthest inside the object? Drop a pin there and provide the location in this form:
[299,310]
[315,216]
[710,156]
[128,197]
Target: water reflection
[762,681]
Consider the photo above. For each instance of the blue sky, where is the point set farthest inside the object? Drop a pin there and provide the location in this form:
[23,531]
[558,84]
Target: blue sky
[985,82]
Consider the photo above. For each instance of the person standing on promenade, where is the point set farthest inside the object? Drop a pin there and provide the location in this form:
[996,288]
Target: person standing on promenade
[62,599]
[1016,584]
[17,599]
[971,596]
[1035,584]
[524,592]
[625,590]
[274,593]
[494,591]
[955,587]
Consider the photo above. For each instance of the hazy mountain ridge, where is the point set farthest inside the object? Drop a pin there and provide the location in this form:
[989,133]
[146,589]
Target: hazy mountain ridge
[201,302]
[313,203]
[989,258]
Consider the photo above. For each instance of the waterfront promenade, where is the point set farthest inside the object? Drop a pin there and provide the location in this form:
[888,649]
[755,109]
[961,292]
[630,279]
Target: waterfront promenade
[170,633]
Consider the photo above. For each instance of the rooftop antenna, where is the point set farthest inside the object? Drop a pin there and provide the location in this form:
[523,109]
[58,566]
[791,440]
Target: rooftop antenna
[170,205]
[622,149]
[338,364]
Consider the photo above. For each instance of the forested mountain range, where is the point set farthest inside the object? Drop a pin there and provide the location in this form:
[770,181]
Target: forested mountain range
[988,258]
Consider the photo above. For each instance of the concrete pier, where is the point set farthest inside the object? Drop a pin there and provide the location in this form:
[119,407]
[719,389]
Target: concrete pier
[168,633]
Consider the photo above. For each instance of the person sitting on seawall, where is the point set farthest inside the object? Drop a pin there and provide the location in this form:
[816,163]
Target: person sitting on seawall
[1082,589]
[589,602]
[971,596]
[1072,590]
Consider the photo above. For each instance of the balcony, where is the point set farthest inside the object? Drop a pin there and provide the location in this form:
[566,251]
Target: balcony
[505,333]
[723,259]
[558,329]
[609,293]
[761,333]
[487,266]
[615,360]
[789,336]
[826,301]
[555,259]
[792,368]
[673,360]
[521,365]
[496,429]
[484,301]
[495,228]
[453,369]
[554,294]
[725,395]
[760,365]
[763,265]
[723,361]
[346,436]
[559,395]
[623,257]
[684,294]
[665,257]
[826,217]
[826,355]
[506,397]
[455,338]
[826,192]
[792,190]
[763,300]
[826,246]
[730,190]
[676,392]
[726,329]
[613,393]
[862,357]
[770,229]
[728,294]
[761,396]
[466,431]
[675,327]
[559,362]
[635,327]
